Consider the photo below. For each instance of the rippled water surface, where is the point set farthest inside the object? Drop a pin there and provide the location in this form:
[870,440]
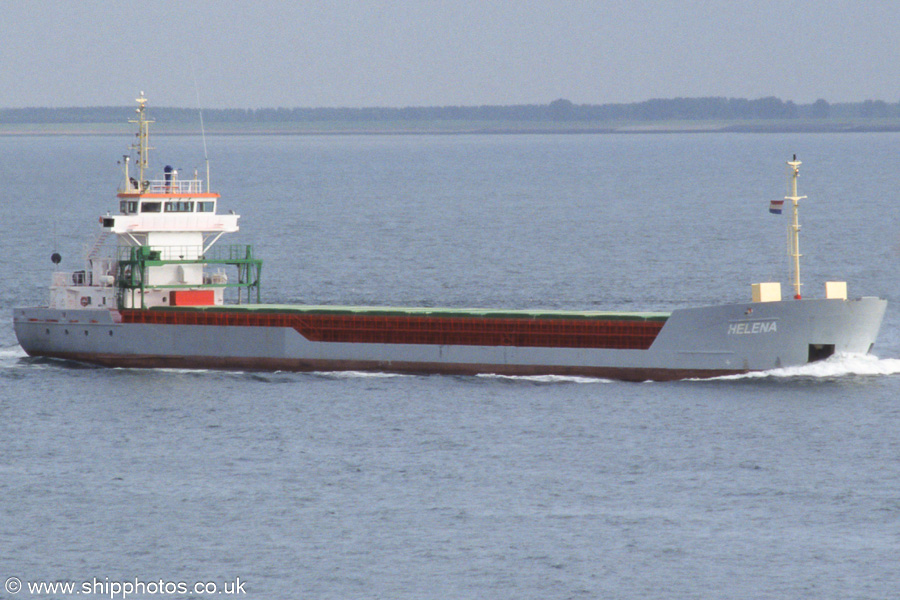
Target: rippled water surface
[783,484]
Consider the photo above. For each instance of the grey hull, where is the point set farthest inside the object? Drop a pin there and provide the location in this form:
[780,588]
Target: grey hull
[696,342]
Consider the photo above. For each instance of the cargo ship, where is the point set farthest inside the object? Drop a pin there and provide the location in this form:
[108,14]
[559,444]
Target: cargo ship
[157,298]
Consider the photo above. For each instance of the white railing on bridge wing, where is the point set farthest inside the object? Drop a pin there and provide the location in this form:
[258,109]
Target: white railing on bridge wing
[177,186]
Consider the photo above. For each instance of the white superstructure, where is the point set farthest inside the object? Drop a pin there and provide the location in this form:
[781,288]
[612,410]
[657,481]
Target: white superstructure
[164,235]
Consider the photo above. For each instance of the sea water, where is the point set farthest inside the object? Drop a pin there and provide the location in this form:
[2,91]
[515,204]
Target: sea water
[782,484]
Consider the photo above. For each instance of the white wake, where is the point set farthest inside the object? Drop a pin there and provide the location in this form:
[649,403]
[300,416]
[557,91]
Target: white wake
[546,378]
[358,374]
[10,355]
[839,365]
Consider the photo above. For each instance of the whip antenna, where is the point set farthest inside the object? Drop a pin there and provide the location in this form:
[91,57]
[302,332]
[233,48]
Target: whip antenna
[202,128]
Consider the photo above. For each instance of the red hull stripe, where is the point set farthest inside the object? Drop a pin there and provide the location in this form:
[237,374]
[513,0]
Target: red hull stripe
[412,329]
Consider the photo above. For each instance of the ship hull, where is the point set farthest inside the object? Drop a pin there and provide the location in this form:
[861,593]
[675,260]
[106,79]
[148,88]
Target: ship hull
[697,342]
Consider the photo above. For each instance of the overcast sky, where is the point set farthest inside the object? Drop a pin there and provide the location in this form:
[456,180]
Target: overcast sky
[268,53]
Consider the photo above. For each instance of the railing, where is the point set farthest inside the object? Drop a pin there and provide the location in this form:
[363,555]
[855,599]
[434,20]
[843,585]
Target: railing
[175,186]
[163,186]
[216,254]
[80,278]
[167,253]
[66,278]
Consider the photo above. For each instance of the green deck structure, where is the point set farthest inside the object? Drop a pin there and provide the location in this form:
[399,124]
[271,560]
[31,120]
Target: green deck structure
[135,260]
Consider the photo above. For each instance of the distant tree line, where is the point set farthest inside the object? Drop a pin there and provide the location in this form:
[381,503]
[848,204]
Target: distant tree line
[557,111]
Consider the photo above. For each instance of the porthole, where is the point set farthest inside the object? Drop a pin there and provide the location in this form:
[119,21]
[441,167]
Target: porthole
[67,332]
[48,332]
[110,332]
[85,332]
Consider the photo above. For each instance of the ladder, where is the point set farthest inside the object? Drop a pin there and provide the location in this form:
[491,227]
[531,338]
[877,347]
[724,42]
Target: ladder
[94,251]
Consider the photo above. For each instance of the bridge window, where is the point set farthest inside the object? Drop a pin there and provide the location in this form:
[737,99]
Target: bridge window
[180,206]
[127,207]
[151,207]
[206,207]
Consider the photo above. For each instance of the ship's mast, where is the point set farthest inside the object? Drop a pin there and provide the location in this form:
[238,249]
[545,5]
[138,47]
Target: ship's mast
[795,226]
[143,146]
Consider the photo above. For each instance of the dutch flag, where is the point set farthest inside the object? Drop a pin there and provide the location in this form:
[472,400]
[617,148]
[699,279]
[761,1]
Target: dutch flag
[775,206]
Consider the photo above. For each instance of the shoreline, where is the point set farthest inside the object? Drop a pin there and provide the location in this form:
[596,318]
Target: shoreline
[459,128]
